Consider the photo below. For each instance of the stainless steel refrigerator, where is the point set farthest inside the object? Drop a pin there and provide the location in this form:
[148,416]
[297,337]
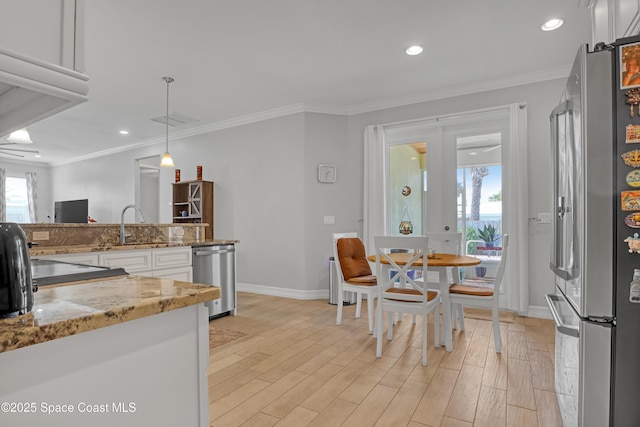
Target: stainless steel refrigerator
[597,345]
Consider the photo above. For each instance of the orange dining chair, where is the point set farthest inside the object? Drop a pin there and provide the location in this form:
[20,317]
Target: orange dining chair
[354,274]
[480,293]
[411,296]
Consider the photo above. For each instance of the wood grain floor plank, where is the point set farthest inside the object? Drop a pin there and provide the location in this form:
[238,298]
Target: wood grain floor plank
[464,398]
[401,408]
[492,408]
[519,384]
[335,414]
[368,412]
[433,404]
[312,372]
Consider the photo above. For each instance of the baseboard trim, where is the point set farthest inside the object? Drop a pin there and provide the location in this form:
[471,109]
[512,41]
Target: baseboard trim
[283,292]
[539,312]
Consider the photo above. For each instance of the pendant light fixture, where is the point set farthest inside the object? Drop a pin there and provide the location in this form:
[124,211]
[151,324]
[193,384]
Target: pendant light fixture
[167,161]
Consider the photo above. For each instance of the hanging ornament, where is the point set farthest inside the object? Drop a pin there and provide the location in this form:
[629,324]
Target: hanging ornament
[406,227]
[406,190]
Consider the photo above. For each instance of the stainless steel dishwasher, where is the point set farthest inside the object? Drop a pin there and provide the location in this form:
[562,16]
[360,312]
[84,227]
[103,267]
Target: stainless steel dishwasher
[216,265]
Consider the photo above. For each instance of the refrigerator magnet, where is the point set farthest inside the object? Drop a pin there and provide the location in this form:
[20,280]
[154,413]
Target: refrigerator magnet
[632,220]
[632,134]
[630,200]
[633,178]
[634,243]
[632,158]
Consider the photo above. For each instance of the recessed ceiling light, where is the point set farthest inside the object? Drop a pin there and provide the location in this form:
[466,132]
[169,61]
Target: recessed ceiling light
[473,153]
[414,50]
[124,132]
[552,24]
[37,155]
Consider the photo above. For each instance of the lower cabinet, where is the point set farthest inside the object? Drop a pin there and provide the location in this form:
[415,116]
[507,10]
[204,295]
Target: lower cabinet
[168,263]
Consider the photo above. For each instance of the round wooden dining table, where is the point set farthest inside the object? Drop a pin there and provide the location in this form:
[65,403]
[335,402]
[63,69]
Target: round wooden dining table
[439,262]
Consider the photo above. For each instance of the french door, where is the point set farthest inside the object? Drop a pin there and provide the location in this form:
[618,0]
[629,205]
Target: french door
[448,176]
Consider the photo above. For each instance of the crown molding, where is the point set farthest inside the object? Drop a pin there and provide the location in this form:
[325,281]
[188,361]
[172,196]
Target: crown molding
[448,92]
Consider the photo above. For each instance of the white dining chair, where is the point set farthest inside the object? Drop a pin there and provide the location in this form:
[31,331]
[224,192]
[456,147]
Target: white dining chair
[354,274]
[410,296]
[480,293]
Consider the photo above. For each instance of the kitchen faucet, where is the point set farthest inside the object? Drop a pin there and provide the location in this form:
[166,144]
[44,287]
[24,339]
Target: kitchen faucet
[123,236]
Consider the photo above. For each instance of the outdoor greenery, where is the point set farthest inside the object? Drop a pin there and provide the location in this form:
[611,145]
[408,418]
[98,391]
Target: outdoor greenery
[488,233]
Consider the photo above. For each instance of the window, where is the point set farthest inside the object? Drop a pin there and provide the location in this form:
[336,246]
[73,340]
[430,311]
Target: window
[17,200]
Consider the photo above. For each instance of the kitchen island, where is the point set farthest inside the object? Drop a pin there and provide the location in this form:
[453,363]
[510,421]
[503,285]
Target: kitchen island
[128,351]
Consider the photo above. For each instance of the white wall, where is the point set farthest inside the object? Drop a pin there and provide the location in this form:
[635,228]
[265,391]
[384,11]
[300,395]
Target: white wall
[268,197]
[541,98]
[43,190]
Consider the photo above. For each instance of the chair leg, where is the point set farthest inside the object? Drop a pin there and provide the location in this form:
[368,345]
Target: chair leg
[460,311]
[424,339]
[496,330]
[340,300]
[370,312]
[378,329]
[358,304]
[413,319]
[436,326]
[390,316]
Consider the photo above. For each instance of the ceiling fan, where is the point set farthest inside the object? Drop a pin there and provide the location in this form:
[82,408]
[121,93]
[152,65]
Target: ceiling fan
[19,137]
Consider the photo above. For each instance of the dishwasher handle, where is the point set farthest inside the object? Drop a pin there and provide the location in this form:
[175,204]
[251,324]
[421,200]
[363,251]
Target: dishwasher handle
[206,252]
[563,328]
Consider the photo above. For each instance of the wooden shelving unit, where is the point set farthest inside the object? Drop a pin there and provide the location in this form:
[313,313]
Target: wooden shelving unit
[196,199]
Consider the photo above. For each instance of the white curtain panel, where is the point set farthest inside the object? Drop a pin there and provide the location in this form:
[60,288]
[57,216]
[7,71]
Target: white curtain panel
[374,186]
[3,195]
[32,196]
[517,268]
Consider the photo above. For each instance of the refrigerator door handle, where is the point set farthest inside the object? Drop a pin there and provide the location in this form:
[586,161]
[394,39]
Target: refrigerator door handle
[562,327]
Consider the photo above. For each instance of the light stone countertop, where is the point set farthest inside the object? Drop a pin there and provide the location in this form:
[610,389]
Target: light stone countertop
[77,249]
[68,309]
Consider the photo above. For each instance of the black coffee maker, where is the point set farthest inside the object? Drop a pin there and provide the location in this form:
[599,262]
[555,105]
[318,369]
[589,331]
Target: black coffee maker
[16,285]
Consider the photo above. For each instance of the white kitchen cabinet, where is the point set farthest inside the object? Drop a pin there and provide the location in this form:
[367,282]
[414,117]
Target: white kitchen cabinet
[41,70]
[614,19]
[135,261]
[168,263]
[84,258]
[177,273]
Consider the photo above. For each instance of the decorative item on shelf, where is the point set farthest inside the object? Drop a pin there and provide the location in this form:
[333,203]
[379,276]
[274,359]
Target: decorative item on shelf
[406,227]
[177,175]
[167,161]
[199,173]
[184,214]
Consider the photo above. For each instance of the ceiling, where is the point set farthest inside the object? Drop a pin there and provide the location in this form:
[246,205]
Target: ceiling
[239,60]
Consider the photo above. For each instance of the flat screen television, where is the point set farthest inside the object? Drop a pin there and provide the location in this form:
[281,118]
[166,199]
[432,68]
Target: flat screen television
[71,211]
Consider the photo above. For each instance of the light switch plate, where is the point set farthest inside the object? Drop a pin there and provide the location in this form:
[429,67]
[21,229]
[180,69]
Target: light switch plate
[544,217]
[329,220]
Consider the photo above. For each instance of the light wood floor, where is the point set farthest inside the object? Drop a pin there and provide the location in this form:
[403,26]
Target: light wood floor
[297,368]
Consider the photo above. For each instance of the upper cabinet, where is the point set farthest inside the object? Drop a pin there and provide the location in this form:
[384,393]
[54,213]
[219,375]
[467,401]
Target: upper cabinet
[41,60]
[613,19]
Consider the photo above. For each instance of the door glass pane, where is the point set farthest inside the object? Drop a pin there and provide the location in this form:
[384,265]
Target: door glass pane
[407,189]
[479,200]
